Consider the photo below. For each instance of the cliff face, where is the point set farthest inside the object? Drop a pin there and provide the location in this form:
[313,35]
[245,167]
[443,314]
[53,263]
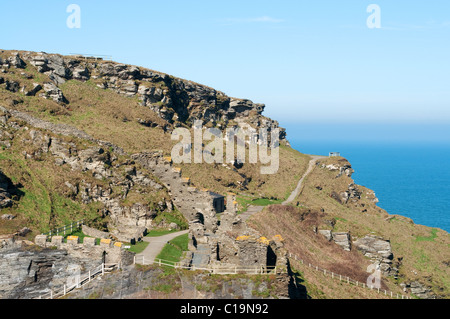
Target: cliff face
[154,283]
[28,272]
[175,100]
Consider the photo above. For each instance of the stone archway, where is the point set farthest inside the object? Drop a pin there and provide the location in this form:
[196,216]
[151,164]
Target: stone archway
[200,217]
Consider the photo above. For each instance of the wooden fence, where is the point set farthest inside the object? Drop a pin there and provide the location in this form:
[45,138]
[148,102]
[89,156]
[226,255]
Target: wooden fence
[347,279]
[217,270]
[67,229]
[80,281]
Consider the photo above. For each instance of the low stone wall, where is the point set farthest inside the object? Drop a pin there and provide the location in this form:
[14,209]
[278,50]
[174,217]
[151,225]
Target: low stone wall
[92,232]
[107,250]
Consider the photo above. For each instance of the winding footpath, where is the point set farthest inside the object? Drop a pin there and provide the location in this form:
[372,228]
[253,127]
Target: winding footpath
[256,209]
[296,191]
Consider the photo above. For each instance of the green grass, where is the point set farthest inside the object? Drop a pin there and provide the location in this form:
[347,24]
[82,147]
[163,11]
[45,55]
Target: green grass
[432,237]
[160,232]
[139,247]
[173,253]
[245,202]
[181,242]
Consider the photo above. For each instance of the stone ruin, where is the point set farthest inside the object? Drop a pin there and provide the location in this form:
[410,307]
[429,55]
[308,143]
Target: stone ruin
[107,251]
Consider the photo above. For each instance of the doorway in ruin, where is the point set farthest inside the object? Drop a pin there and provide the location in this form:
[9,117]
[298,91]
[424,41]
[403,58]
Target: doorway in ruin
[200,218]
[271,257]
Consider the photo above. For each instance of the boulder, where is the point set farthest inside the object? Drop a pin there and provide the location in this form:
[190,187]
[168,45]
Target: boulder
[379,251]
[7,217]
[343,240]
[327,234]
[53,92]
[17,62]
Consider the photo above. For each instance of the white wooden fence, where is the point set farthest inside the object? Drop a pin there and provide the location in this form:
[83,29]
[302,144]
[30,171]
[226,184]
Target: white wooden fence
[218,270]
[80,281]
[347,279]
[67,229]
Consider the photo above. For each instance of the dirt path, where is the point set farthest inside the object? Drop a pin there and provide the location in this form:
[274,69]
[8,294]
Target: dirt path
[256,209]
[156,244]
[296,191]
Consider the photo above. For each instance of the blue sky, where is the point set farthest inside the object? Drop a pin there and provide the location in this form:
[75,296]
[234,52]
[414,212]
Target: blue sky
[308,61]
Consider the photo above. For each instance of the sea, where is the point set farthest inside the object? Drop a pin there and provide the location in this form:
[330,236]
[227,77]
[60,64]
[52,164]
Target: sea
[411,179]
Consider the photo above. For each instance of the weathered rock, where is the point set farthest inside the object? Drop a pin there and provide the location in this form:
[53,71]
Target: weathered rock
[17,62]
[30,273]
[7,217]
[5,196]
[343,240]
[379,251]
[53,92]
[327,234]
[12,86]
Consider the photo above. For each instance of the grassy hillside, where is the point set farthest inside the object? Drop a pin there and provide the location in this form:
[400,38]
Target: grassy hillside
[42,201]
[421,252]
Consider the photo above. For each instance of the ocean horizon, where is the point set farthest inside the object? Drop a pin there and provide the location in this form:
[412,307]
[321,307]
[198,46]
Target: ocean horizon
[409,178]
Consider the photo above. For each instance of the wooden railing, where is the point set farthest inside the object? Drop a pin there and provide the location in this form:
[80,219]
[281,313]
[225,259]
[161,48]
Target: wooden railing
[80,281]
[67,229]
[347,279]
[218,270]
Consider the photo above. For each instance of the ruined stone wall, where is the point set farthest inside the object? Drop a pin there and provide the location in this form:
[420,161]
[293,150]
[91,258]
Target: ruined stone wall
[107,251]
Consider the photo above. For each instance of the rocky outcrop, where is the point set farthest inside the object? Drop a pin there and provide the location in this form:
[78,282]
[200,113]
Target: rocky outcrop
[174,100]
[343,167]
[342,239]
[146,283]
[418,289]
[128,222]
[26,272]
[54,93]
[5,196]
[379,251]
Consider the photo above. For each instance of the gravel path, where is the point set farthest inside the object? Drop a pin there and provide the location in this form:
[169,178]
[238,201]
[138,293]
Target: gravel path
[156,244]
[296,191]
